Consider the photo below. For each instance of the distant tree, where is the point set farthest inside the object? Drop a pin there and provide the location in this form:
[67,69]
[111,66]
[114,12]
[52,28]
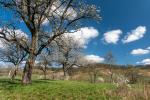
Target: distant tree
[12,53]
[92,66]
[110,60]
[45,59]
[69,53]
[132,73]
[60,15]
[93,72]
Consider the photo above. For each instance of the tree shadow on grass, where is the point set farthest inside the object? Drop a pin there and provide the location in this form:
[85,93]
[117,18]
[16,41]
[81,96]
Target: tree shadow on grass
[8,81]
[38,81]
[7,84]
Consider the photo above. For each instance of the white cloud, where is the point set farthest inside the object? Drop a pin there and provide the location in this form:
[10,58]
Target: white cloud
[11,33]
[145,62]
[134,35]
[112,36]
[45,22]
[17,33]
[57,9]
[139,52]
[148,48]
[83,36]
[94,59]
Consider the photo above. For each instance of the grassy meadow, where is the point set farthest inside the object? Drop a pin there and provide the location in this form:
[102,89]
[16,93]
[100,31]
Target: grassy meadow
[79,86]
[70,90]
[54,90]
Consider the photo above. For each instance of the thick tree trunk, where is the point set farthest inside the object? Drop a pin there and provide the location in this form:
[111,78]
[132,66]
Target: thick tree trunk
[64,70]
[66,76]
[27,72]
[26,78]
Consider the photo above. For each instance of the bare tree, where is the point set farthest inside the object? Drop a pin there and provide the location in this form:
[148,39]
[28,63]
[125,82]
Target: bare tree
[45,59]
[68,53]
[13,54]
[61,16]
[110,60]
[93,72]
[92,67]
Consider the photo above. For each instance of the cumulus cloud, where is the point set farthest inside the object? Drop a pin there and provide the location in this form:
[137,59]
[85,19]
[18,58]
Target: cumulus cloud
[83,36]
[112,36]
[144,61]
[94,59]
[11,34]
[148,48]
[139,51]
[134,35]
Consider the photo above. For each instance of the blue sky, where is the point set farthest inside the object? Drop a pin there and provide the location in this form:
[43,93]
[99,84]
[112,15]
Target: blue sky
[126,16]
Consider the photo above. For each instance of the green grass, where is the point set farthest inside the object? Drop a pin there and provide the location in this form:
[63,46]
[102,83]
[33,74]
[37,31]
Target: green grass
[54,90]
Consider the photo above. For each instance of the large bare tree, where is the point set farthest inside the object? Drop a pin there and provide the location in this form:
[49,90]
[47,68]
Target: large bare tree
[60,17]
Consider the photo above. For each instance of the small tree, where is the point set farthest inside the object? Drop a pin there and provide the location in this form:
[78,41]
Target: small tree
[45,59]
[93,72]
[132,74]
[68,52]
[13,54]
[91,63]
[110,60]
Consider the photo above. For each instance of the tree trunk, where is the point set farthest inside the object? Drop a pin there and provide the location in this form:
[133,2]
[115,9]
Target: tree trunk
[66,76]
[94,77]
[27,72]
[64,70]
[45,75]
[14,73]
